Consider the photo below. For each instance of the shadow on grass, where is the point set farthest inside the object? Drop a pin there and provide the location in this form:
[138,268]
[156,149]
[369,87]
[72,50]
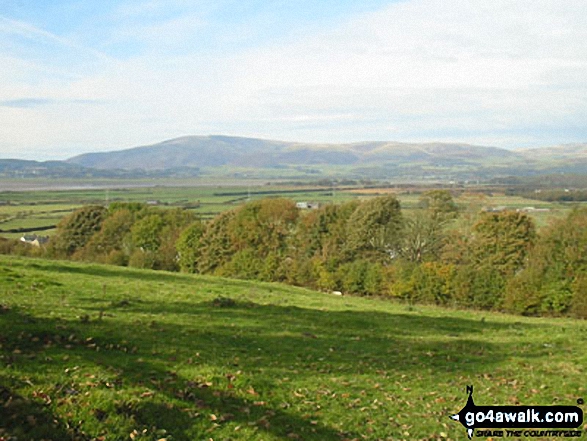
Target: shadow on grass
[282,336]
[23,418]
[271,314]
[280,340]
[109,272]
[180,405]
[267,342]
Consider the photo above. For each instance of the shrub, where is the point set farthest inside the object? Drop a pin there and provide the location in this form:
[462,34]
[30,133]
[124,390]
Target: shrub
[188,247]
[117,257]
[401,283]
[352,276]
[579,297]
[243,265]
[142,259]
[479,287]
[374,276]
[433,283]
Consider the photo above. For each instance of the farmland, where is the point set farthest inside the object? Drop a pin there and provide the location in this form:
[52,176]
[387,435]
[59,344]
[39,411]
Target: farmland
[99,352]
[40,210]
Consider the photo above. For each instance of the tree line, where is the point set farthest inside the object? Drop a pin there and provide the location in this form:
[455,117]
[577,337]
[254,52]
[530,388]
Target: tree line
[436,254]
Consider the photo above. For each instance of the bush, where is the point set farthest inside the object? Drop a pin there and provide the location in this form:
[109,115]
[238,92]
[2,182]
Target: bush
[188,247]
[522,294]
[374,276]
[142,259]
[579,297]
[433,283]
[479,287]
[273,269]
[352,276]
[361,277]
[401,284]
[116,257]
[243,265]
[327,281]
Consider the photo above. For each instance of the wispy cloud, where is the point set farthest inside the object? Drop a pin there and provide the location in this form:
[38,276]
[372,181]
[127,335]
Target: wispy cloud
[26,103]
[27,31]
[29,103]
[501,72]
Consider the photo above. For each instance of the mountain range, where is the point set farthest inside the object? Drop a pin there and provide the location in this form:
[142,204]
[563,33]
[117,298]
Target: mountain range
[232,156]
[215,151]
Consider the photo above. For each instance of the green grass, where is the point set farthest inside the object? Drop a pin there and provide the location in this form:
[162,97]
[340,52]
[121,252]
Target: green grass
[98,352]
[29,222]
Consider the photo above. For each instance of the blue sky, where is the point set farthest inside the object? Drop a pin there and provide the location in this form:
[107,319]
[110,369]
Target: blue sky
[80,76]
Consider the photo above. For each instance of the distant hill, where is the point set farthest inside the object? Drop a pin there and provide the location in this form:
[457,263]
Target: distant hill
[214,151]
[238,157]
[557,153]
[29,169]
[18,168]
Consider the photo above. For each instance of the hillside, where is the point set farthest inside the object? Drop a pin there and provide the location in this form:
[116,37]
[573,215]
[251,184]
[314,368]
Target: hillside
[93,352]
[227,157]
[556,153]
[18,168]
[24,168]
[214,151]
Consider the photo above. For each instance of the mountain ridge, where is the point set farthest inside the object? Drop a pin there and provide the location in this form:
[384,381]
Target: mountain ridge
[229,157]
[219,150]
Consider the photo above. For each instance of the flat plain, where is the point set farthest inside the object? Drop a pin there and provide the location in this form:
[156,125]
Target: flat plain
[38,211]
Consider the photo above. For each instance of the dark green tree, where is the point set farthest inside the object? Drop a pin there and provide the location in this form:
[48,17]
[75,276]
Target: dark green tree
[553,280]
[146,233]
[374,228]
[502,241]
[111,243]
[188,247]
[216,244]
[422,236]
[439,203]
[76,230]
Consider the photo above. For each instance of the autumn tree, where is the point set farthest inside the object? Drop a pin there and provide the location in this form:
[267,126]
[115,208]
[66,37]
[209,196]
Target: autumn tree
[259,233]
[263,225]
[188,247]
[111,243]
[553,280]
[502,240]
[75,230]
[216,246]
[439,203]
[374,228]
[424,231]
[318,247]
[422,238]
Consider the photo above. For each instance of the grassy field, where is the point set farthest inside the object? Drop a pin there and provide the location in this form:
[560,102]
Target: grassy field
[93,352]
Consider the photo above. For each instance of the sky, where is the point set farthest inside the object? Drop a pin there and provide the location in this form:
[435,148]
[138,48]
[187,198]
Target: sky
[81,76]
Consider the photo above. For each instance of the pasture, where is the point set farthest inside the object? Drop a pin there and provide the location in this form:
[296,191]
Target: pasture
[92,352]
[38,211]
